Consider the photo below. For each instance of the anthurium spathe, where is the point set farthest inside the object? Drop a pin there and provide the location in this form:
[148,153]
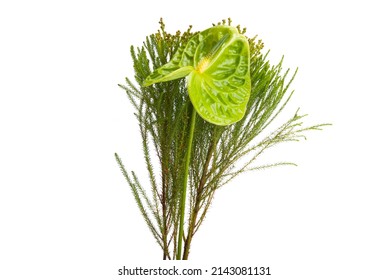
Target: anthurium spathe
[216,63]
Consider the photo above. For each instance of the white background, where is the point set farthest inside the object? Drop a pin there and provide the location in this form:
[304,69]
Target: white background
[65,209]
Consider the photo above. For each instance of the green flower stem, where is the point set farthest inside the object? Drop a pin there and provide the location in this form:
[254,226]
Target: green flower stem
[196,209]
[186,175]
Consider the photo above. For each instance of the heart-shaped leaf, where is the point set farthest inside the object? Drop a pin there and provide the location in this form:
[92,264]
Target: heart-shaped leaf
[217,62]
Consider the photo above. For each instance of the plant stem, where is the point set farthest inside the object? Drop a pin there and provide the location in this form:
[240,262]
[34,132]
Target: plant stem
[186,175]
[196,209]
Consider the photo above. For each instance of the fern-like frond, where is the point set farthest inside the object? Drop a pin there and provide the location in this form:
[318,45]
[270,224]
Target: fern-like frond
[221,153]
[135,190]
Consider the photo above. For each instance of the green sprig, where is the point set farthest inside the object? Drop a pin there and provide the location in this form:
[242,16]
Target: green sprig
[221,153]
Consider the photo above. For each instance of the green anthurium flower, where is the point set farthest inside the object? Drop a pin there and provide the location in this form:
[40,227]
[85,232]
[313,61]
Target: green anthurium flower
[216,63]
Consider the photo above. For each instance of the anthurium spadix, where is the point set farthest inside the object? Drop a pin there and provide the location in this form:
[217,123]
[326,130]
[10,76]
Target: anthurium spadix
[216,63]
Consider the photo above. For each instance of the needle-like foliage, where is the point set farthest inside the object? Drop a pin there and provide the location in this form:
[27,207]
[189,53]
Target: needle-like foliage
[220,152]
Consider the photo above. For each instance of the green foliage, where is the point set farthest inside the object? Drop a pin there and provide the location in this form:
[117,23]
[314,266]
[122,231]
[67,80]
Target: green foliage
[164,112]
